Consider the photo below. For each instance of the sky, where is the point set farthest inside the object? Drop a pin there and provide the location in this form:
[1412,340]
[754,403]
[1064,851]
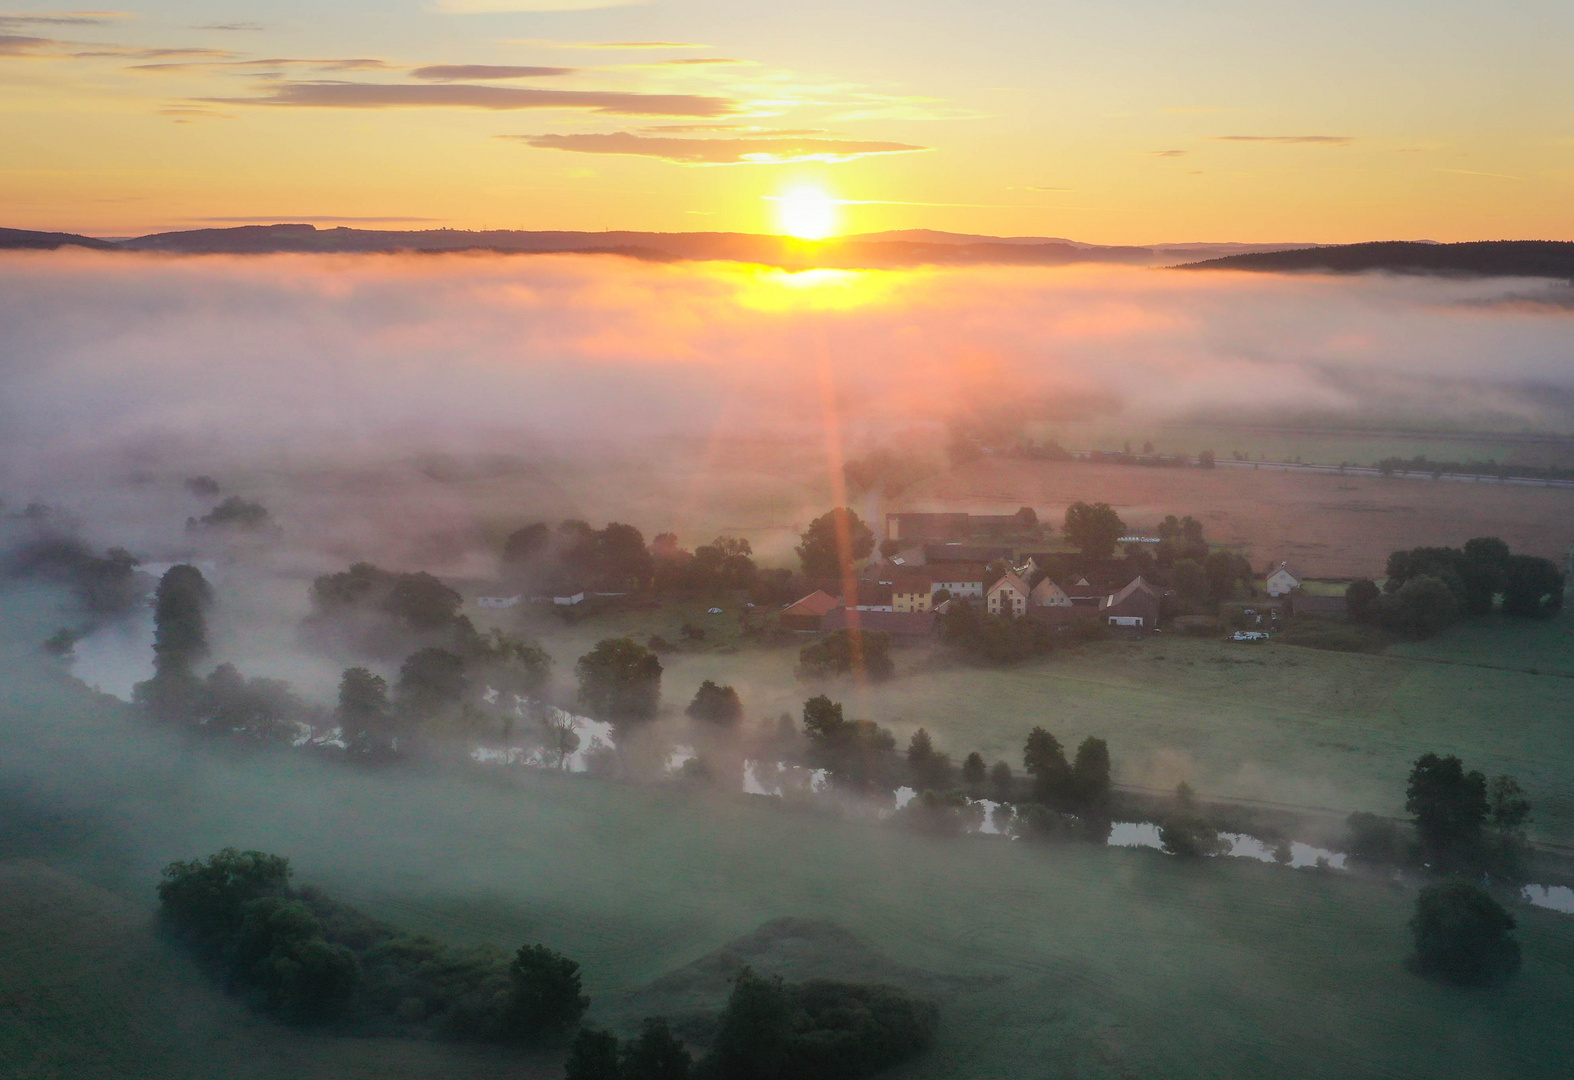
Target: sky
[1108,121]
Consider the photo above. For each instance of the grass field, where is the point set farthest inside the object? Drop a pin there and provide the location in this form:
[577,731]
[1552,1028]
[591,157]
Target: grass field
[1287,724]
[1062,962]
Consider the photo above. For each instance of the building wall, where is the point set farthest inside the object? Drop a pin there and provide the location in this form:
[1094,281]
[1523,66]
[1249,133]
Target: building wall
[1007,601]
[961,588]
[1281,582]
[911,601]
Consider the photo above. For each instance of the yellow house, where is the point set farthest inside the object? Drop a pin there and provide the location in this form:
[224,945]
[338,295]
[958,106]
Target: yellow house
[912,592]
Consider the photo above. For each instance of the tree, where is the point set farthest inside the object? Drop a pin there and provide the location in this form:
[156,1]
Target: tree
[858,753]
[1001,782]
[619,681]
[755,1037]
[928,767]
[833,543]
[364,713]
[1532,587]
[1205,459]
[280,949]
[1186,832]
[1090,782]
[1190,581]
[1462,936]
[656,1054]
[205,900]
[715,704]
[544,996]
[1372,838]
[526,544]
[1093,528]
[1361,598]
[822,719]
[1044,759]
[431,683]
[180,633]
[1507,806]
[1422,607]
[974,771]
[236,511]
[842,652]
[422,602]
[1450,806]
[593,1055]
[1482,571]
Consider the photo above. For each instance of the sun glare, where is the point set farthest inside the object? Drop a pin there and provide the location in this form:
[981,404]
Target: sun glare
[807,213]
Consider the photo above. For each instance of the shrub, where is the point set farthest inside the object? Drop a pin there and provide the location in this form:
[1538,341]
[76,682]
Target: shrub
[1462,935]
[847,651]
[546,996]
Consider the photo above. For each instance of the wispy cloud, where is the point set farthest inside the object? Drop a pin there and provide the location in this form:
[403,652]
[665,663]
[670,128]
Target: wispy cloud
[549,43]
[63,18]
[1169,153]
[274,63]
[231,26]
[750,151]
[347,95]
[25,45]
[1314,140]
[482,7]
[1472,172]
[458,72]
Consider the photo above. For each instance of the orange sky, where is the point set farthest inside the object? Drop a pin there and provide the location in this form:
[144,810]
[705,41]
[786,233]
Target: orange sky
[1113,122]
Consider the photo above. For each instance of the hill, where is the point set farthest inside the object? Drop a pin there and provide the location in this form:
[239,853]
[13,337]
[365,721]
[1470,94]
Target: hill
[1483,258]
[28,240]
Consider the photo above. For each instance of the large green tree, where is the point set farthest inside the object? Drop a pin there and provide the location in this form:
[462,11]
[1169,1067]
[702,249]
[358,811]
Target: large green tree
[1450,807]
[715,704]
[365,715]
[1094,528]
[1532,587]
[619,681]
[180,631]
[545,997]
[1090,780]
[834,542]
[1044,759]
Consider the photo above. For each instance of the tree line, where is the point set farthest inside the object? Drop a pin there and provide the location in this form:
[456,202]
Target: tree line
[1428,589]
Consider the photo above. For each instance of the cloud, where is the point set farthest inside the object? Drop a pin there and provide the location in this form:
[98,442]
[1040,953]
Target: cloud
[64,18]
[1169,153]
[231,26]
[549,43]
[456,72]
[126,52]
[480,7]
[346,95]
[23,45]
[1472,172]
[1322,140]
[752,151]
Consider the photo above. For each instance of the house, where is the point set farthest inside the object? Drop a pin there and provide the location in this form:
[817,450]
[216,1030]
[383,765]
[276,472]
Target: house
[1282,579]
[568,597]
[1326,607]
[870,596]
[1135,607]
[908,625]
[912,591]
[805,614]
[959,579]
[497,601]
[1008,596]
[1047,594]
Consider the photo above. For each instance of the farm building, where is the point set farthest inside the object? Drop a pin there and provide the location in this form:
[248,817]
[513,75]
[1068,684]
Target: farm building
[906,625]
[959,579]
[1136,607]
[805,614]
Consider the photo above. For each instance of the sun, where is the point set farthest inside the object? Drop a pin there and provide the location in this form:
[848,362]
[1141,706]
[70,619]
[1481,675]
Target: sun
[807,213]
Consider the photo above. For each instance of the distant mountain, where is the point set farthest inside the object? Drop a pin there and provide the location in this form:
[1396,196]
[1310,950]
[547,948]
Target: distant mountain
[906,247]
[1482,258]
[26,239]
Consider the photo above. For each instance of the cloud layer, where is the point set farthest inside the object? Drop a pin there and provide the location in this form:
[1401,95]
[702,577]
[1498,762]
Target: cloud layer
[347,95]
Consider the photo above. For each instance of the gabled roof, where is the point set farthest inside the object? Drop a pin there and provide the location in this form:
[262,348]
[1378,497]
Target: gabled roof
[816,603]
[1010,581]
[1287,568]
[1046,587]
[896,623]
[980,553]
[1135,587]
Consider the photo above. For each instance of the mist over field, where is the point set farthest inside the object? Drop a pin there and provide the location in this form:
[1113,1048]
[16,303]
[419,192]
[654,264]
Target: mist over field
[377,355]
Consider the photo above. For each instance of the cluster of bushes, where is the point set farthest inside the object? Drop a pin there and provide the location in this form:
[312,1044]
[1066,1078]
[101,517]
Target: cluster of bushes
[105,584]
[307,959]
[1422,464]
[815,1030]
[610,559]
[861,652]
[1428,589]
[994,639]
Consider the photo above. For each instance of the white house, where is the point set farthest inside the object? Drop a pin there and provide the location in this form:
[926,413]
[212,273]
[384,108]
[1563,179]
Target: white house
[1009,596]
[959,579]
[1047,594]
[1282,579]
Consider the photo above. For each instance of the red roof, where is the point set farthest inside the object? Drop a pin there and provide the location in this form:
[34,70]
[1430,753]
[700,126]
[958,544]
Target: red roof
[816,604]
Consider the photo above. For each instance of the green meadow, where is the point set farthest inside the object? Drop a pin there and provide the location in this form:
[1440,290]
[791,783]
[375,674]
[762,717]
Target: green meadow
[1260,721]
[1048,961]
